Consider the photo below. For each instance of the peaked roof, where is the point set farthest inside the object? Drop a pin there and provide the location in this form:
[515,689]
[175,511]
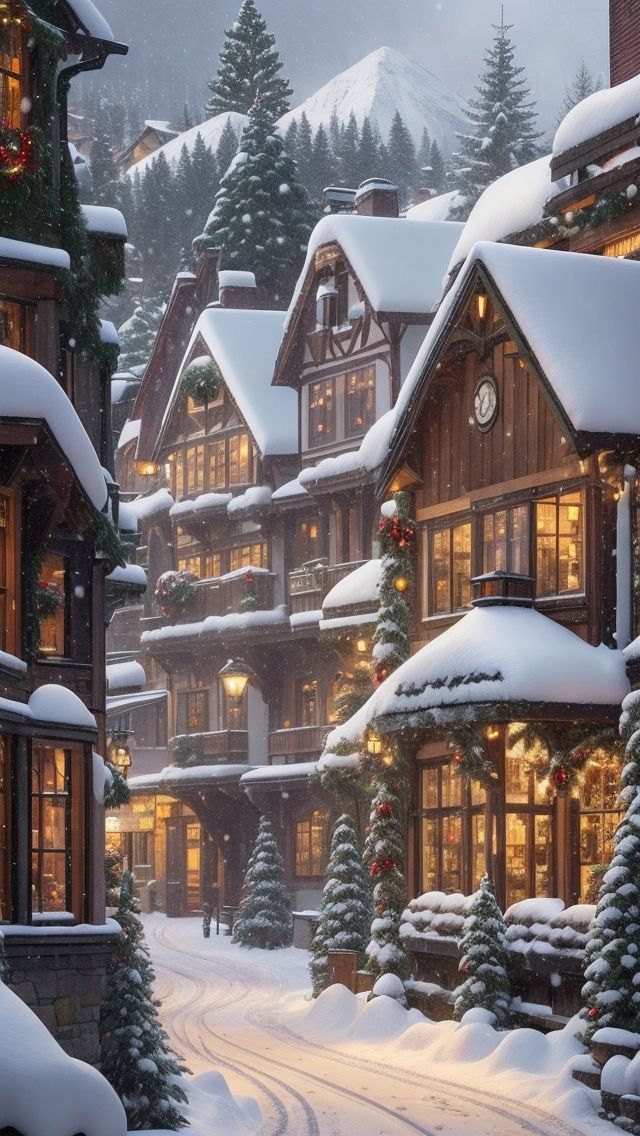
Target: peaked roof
[244,344]
[575,314]
[480,661]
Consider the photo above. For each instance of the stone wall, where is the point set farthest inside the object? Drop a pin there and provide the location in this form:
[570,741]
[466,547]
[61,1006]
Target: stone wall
[60,977]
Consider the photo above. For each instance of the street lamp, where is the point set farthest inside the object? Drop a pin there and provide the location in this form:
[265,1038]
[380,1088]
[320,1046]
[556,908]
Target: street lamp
[235,675]
[121,755]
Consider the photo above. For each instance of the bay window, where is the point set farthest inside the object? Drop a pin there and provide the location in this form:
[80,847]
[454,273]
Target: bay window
[51,829]
[559,547]
[322,412]
[505,541]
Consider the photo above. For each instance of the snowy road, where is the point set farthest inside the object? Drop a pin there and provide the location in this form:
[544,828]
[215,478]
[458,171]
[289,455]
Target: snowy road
[225,1008]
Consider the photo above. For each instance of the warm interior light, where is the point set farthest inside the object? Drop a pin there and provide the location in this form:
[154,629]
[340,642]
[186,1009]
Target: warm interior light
[146,468]
[491,733]
[361,646]
[387,759]
[481,303]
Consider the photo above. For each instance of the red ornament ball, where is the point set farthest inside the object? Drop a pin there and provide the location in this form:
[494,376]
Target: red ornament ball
[593,1013]
[384,809]
[560,776]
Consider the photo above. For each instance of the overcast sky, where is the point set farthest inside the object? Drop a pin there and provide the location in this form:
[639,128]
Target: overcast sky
[319,38]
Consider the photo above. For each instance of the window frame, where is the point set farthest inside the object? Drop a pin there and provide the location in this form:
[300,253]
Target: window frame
[192,706]
[39,851]
[325,389]
[12,112]
[369,412]
[304,858]
[466,809]
[462,522]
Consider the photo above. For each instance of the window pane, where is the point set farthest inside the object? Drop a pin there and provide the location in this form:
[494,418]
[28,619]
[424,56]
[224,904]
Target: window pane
[542,853]
[50,828]
[429,854]
[440,573]
[52,584]
[452,853]
[311,845]
[11,325]
[213,565]
[239,459]
[360,395]
[559,545]
[451,786]
[430,787]
[494,558]
[478,856]
[217,471]
[461,567]
[516,848]
[518,554]
[322,425]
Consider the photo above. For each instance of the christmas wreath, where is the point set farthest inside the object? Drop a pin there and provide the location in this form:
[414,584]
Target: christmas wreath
[201,381]
[394,533]
[16,152]
[48,600]
[175,591]
[249,601]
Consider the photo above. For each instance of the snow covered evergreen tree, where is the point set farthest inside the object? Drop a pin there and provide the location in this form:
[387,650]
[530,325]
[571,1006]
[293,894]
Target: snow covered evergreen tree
[612,989]
[322,165]
[344,908]
[135,1056]
[485,960]
[402,164]
[261,220]
[249,67]
[347,154]
[580,88]
[227,148]
[423,154]
[384,858]
[304,150]
[264,919]
[138,333]
[502,119]
[438,169]
[368,153]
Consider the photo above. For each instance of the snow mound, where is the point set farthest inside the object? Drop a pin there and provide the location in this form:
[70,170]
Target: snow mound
[213,1108]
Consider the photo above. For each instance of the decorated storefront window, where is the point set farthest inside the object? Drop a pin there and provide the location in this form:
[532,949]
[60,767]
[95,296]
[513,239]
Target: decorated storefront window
[50,605]
[559,545]
[311,844]
[599,818]
[452,828]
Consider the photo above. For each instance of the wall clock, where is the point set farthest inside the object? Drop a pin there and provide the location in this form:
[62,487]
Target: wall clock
[485,402]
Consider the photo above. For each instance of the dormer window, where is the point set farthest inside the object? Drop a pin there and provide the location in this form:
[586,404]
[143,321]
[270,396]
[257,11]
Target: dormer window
[11,69]
[327,304]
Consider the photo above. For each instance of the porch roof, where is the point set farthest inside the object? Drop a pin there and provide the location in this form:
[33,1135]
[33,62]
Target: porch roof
[494,657]
[174,777]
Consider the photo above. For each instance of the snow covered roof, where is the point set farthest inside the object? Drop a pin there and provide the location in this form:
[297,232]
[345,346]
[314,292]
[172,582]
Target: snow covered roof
[28,391]
[128,574]
[400,266]
[601,111]
[120,676]
[131,428]
[210,131]
[493,655]
[280,772]
[54,703]
[42,1089]
[202,503]
[33,254]
[289,489]
[575,311]
[176,774]
[104,219]
[218,625]
[437,208]
[245,344]
[132,512]
[119,703]
[234,278]
[360,586]
[367,457]
[91,19]
[108,333]
[509,205]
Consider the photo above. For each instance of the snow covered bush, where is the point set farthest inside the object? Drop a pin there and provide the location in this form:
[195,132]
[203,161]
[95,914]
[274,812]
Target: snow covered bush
[135,1055]
[612,988]
[344,908]
[485,960]
[265,918]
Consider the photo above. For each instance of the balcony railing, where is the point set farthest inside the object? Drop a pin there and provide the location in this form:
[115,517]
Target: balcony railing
[222,596]
[309,584]
[215,747]
[302,742]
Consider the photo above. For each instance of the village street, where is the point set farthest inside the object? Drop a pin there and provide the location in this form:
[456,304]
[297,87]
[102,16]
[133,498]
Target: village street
[243,1014]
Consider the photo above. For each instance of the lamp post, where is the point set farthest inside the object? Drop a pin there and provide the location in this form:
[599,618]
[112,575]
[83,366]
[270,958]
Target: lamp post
[235,675]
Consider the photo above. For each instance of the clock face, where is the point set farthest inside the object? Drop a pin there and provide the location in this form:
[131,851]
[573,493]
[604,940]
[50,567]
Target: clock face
[485,402]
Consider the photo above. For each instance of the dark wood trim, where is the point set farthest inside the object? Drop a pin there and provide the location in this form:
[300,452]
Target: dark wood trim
[577,157]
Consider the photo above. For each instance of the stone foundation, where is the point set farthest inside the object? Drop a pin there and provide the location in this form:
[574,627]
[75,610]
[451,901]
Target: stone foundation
[60,977]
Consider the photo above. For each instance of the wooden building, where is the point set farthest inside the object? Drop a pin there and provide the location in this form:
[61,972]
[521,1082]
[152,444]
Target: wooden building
[270,543]
[55,364]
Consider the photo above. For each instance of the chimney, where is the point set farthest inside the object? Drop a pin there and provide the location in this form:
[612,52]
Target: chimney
[237,289]
[624,40]
[206,276]
[377,197]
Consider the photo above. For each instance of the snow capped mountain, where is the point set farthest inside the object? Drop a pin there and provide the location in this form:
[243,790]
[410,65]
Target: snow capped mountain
[381,83]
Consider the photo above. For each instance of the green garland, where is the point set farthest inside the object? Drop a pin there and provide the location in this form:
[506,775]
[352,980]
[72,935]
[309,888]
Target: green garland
[32,562]
[187,749]
[568,749]
[201,382]
[116,791]
[109,545]
[469,754]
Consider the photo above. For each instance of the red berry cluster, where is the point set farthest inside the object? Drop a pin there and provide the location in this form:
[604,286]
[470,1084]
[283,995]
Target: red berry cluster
[380,866]
[380,673]
[560,777]
[384,809]
[391,529]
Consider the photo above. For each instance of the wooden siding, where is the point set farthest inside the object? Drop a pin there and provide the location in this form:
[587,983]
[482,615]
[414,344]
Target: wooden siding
[526,438]
[624,39]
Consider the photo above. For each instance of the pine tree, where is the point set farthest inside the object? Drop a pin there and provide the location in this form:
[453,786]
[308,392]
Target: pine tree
[347,154]
[264,919]
[403,168]
[485,960]
[582,86]
[304,150]
[159,238]
[291,138]
[135,1056]
[344,907]
[248,69]
[368,153]
[502,119]
[335,135]
[137,334]
[438,169]
[423,155]
[612,989]
[261,220]
[227,148]
[384,859]
[322,166]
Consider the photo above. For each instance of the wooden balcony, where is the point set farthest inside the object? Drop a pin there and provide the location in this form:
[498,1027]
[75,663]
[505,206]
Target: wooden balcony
[220,746]
[309,584]
[302,742]
[223,596]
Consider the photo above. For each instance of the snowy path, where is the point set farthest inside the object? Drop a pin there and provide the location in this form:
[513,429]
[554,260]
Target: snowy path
[224,1008]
